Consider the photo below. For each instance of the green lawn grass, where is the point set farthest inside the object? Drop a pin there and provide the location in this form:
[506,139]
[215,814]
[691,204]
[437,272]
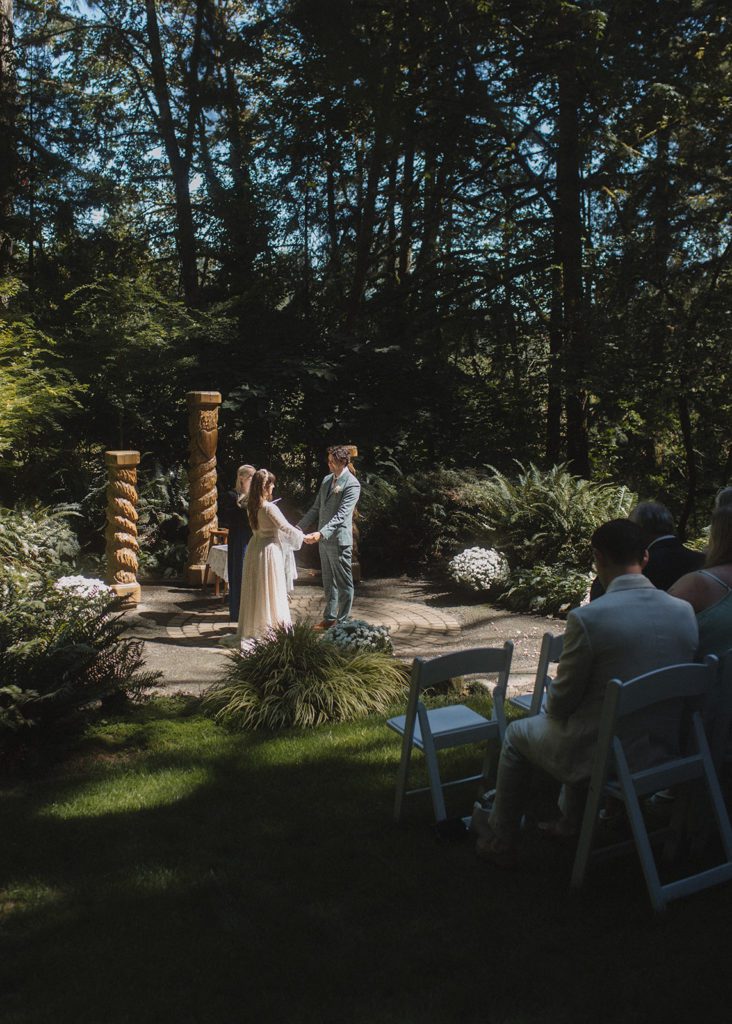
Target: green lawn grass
[174,872]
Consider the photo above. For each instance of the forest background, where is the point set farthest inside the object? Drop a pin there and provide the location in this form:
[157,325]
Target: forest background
[457,233]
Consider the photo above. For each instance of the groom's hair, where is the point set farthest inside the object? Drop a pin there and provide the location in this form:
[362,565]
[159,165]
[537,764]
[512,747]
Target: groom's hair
[341,453]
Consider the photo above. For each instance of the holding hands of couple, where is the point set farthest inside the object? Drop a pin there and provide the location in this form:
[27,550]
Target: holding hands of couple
[311,538]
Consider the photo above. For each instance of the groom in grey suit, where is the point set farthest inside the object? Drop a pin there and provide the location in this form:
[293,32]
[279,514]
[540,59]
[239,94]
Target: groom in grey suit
[632,629]
[332,512]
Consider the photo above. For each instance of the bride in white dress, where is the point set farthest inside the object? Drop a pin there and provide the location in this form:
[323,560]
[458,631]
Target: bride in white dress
[269,564]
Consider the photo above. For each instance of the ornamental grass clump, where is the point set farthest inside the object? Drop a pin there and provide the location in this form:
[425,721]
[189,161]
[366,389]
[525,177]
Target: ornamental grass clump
[291,678]
[358,635]
[478,569]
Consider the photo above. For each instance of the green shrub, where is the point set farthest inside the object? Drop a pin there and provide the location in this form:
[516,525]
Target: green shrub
[163,523]
[292,678]
[38,539]
[544,517]
[419,520]
[548,589]
[61,651]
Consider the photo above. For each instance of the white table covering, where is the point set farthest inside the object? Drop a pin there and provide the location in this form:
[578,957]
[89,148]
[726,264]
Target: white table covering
[218,558]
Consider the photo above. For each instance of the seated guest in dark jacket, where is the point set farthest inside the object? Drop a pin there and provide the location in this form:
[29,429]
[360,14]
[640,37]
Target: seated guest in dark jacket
[668,559]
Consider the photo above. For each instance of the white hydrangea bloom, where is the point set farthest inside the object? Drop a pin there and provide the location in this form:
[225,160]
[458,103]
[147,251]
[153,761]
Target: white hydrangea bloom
[478,568]
[356,634]
[84,586]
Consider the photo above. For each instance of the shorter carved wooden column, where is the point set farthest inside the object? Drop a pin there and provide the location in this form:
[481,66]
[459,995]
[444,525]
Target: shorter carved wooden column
[121,534]
[355,554]
[203,428]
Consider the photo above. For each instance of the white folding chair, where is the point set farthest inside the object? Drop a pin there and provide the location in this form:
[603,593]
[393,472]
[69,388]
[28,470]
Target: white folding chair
[551,652]
[679,686]
[451,726]
[719,717]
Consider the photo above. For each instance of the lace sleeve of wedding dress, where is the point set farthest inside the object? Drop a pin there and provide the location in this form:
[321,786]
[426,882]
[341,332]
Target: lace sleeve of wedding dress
[289,539]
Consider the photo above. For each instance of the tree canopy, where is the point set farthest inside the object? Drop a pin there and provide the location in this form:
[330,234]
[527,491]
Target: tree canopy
[458,232]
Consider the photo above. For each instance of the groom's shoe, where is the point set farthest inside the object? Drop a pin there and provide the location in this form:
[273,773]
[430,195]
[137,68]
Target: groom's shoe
[321,627]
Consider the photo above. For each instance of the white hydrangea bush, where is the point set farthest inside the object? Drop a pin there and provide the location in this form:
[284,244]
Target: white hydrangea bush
[478,568]
[83,586]
[357,635]
[87,597]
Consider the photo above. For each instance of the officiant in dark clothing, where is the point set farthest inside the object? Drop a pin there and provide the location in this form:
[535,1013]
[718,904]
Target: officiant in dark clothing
[668,559]
[233,516]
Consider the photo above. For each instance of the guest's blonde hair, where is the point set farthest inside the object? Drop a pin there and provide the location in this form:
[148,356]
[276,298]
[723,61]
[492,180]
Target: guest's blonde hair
[245,470]
[719,551]
[261,482]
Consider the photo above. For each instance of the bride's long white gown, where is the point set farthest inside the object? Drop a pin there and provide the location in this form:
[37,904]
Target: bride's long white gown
[268,574]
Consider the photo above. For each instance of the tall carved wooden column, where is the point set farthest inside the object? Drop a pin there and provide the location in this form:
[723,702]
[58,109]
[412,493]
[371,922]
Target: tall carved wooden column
[203,428]
[355,555]
[121,534]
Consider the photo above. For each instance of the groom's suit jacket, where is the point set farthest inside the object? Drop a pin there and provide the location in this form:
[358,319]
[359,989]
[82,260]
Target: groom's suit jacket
[332,510]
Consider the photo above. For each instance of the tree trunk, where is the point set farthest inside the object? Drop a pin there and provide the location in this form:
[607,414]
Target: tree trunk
[569,212]
[376,166]
[179,162]
[8,154]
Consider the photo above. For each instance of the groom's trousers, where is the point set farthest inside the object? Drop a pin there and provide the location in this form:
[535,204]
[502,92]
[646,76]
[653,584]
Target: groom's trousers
[335,563]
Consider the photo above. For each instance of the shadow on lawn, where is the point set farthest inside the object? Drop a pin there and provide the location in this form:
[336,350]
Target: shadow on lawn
[276,888]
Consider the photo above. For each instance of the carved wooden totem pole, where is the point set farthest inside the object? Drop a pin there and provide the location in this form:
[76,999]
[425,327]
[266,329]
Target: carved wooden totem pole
[203,427]
[121,534]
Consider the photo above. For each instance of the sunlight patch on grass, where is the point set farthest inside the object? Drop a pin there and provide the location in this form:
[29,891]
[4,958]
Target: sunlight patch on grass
[129,791]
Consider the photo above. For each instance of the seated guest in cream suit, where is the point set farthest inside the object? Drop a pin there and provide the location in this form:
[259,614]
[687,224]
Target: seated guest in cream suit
[633,628]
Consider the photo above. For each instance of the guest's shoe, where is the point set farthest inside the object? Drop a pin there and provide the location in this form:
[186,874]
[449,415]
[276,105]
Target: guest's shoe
[321,627]
[497,851]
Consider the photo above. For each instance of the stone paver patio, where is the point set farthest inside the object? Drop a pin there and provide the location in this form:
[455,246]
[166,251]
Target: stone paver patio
[182,627]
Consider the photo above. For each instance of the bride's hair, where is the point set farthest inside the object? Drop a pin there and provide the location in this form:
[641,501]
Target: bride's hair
[261,482]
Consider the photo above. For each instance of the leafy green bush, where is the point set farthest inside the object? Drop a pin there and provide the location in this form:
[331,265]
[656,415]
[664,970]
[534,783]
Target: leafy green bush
[61,650]
[548,589]
[37,392]
[163,522]
[544,516]
[420,519]
[39,539]
[292,678]
[61,653]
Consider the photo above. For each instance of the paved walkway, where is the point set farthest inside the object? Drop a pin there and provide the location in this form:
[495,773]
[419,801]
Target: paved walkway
[182,626]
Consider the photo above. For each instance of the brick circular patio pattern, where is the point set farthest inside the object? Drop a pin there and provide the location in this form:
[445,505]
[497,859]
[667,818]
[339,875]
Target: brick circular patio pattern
[413,627]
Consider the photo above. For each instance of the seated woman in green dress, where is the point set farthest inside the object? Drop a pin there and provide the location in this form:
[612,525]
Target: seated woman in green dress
[709,590]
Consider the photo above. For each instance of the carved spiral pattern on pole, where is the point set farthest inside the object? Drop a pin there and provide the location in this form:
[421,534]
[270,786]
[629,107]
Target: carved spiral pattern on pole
[121,533]
[204,432]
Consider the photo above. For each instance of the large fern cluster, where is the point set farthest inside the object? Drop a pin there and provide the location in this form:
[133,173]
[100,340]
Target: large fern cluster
[546,516]
[37,539]
[292,677]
